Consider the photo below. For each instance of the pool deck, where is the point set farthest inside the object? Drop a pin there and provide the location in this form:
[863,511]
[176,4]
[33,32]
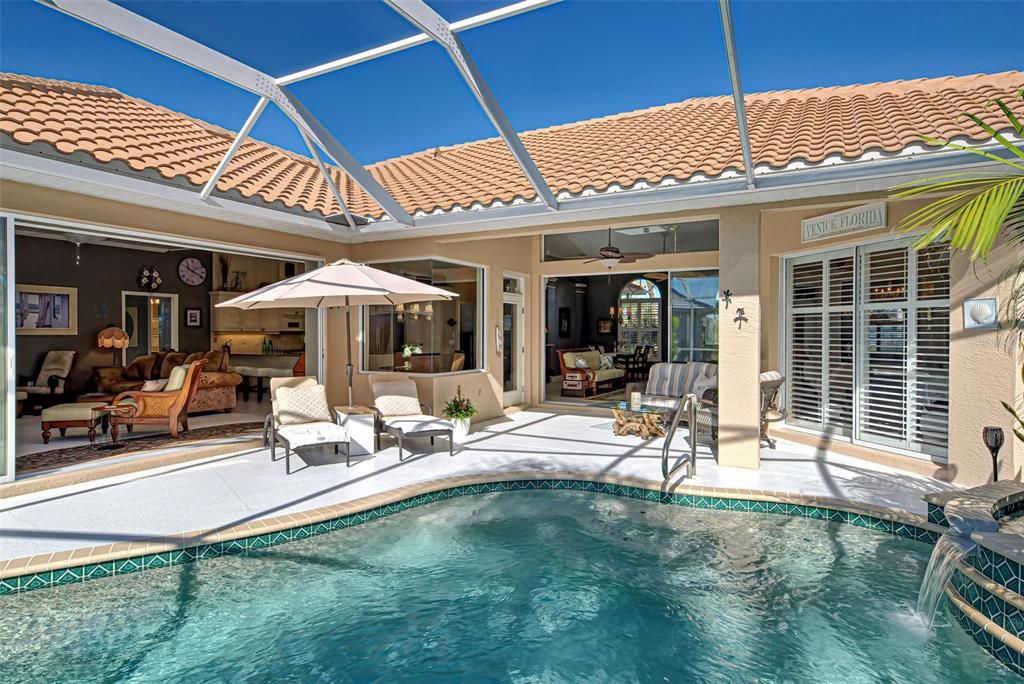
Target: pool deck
[226,491]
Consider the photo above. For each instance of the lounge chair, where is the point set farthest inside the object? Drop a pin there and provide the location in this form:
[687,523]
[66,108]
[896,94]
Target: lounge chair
[300,417]
[51,382]
[401,415]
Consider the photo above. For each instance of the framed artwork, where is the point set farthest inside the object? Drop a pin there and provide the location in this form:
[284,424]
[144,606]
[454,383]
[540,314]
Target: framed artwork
[193,318]
[45,310]
[564,321]
[604,326]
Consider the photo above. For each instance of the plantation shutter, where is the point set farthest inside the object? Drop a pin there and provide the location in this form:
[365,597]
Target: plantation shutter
[883,344]
[867,344]
[929,428]
[820,363]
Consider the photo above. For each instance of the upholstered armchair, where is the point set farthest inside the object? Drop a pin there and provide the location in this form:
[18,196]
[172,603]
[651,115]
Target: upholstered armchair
[169,406]
[52,380]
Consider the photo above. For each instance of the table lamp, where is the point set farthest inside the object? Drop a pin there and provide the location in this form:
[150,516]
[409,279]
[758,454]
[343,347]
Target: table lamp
[112,338]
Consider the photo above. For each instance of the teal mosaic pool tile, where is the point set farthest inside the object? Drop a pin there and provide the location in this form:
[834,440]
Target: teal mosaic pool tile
[1004,614]
[244,545]
[1006,655]
[937,515]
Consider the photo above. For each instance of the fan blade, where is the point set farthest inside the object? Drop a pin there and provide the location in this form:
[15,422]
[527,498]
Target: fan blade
[590,261]
[637,255]
[627,260]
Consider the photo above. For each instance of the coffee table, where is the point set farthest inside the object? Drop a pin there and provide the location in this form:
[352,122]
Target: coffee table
[658,417]
[645,422]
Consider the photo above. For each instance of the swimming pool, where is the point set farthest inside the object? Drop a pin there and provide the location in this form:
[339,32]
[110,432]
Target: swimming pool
[517,586]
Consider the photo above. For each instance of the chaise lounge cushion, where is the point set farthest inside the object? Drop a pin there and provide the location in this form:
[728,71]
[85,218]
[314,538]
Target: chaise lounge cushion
[420,422]
[396,398]
[308,434]
[302,405]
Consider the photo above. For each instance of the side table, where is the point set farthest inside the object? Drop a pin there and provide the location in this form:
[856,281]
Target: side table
[122,414]
[358,424]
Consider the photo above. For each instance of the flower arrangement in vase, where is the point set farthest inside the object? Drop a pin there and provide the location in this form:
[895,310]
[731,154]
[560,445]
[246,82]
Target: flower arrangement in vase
[459,409]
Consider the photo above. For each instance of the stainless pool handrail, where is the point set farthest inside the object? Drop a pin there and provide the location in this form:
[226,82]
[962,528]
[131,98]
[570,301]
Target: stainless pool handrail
[687,403]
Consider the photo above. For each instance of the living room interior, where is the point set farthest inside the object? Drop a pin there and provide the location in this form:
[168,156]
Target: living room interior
[604,331]
[103,320]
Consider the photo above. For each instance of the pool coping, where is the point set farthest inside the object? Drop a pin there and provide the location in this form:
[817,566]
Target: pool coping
[70,566]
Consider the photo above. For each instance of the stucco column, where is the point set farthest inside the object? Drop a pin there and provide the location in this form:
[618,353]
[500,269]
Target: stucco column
[739,339]
[984,370]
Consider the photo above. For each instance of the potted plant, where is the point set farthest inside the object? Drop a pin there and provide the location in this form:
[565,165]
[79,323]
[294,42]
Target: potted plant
[459,410]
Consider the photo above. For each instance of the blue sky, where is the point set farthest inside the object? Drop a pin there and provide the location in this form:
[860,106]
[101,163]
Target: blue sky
[571,61]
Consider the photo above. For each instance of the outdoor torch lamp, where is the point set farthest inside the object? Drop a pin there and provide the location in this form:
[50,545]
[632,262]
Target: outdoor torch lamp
[994,439]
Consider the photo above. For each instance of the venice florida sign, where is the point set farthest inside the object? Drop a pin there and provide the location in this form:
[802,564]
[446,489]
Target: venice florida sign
[843,222]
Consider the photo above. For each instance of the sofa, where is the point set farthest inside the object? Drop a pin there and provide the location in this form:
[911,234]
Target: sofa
[217,382]
[583,375]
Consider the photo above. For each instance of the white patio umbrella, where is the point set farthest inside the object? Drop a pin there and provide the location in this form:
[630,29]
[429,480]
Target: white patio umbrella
[342,283]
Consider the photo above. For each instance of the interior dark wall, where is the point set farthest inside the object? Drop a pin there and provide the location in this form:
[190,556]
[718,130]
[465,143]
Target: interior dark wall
[562,294]
[103,273]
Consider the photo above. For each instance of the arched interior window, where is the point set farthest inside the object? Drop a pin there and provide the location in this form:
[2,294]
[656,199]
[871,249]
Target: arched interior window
[640,316]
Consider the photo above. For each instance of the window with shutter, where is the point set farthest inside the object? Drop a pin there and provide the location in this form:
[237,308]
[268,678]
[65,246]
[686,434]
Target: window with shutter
[867,348]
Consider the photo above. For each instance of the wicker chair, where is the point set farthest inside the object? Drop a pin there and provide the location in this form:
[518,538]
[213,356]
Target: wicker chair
[169,407]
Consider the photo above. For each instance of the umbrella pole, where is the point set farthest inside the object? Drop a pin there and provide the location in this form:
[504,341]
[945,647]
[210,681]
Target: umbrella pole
[348,342]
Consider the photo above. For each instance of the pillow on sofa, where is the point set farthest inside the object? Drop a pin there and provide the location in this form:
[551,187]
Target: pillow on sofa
[581,362]
[176,379]
[194,356]
[215,361]
[154,385]
[169,361]
[307,404]
[141,368]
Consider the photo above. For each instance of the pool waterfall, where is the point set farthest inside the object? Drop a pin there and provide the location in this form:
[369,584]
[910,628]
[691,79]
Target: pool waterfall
[948,552]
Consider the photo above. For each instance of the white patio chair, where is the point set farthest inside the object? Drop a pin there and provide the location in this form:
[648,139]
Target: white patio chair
[300,417]
[401,414]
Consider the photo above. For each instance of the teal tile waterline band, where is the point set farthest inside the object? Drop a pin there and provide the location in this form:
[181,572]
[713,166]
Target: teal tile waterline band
[190,554]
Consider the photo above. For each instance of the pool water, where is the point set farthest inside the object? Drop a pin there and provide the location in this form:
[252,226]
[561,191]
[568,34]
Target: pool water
[516,586]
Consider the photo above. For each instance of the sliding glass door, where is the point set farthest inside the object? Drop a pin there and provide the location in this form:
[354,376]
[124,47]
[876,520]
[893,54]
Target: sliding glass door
[867,342]
[693,308]
[7,383]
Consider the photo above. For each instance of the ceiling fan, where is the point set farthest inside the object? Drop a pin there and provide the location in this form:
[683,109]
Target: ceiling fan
[610,255]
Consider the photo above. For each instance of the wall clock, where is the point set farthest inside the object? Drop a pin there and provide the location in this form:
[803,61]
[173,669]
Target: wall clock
[149,278]
[191,271]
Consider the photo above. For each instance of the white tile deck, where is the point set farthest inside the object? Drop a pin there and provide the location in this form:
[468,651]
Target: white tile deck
[226,490]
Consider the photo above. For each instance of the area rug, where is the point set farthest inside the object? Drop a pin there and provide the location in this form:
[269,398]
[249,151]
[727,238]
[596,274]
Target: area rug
[61,458]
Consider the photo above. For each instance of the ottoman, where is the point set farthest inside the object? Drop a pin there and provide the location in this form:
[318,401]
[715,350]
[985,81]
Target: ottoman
[77,415]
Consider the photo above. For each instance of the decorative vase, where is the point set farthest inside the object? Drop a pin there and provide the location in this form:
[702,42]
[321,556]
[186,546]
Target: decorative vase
[461,430]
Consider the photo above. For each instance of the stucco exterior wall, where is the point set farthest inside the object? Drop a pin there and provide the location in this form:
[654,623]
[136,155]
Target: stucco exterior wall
[984,368]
